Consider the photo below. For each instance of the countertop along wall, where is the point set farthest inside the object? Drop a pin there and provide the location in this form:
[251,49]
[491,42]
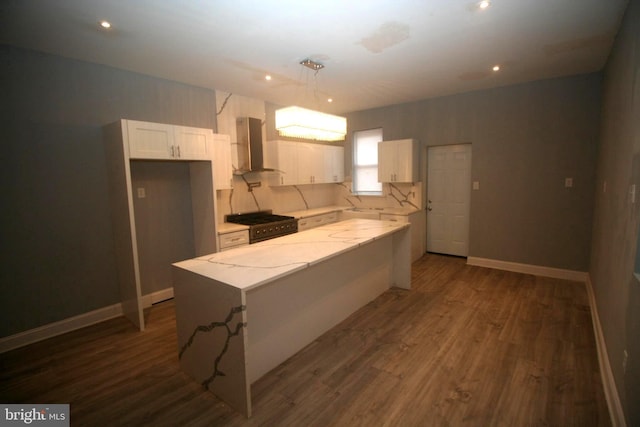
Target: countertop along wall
[526,139]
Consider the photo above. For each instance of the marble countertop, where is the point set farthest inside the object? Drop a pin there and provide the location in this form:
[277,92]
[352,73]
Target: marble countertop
[327,209]
[250,266]
[314,211]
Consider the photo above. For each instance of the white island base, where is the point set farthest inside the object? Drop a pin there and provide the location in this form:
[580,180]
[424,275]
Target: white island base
[241,313]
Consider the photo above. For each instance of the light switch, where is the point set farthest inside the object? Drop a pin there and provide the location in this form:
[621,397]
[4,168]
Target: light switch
[568,182]
[141,193]
[476,185]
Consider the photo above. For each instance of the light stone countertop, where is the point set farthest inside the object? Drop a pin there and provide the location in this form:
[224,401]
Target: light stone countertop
[305,213]
[250,266]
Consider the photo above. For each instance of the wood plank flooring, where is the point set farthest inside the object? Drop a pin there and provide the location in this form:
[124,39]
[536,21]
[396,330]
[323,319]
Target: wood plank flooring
[467,346]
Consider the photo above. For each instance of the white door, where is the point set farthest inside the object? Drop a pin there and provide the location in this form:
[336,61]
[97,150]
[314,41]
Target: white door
[448,199]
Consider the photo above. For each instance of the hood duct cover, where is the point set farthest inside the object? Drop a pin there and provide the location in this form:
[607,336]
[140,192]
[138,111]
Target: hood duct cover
[250,148]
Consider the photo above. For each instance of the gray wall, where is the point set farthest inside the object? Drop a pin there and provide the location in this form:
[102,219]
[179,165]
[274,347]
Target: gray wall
[526,140]
[616,219]
[56,242]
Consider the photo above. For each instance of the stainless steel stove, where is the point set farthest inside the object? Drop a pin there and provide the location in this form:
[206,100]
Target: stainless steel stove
[264,225]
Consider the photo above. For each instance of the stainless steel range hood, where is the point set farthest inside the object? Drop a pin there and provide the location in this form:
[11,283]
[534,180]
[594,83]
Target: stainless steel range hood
[250,148]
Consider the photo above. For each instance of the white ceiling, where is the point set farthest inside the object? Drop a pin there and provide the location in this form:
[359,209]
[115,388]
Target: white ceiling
[375,52]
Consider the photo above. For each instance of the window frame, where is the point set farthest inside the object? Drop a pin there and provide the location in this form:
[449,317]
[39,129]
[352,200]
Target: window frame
[365,166]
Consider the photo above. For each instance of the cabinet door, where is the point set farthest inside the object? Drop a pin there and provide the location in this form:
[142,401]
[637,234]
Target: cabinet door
[192,143]
[334,163]
[222,168]
[233,240]
[150,140]
[387,154]
[406,161]
[283,157]
[398,161]
[310,163]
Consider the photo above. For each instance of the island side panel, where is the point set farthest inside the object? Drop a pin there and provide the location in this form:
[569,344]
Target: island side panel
[211,322]
[401,273]
[286,315]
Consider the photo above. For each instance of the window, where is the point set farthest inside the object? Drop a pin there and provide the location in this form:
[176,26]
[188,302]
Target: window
[365,162]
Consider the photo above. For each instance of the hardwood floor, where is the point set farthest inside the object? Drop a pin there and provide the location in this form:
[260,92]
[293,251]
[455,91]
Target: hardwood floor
[466,346]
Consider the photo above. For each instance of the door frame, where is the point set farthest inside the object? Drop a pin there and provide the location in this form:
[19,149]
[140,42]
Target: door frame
[424,175]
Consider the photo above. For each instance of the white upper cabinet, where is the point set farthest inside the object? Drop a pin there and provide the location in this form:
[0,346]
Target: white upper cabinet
[334,163]
[310,163]
[192,143]
[398,161]
[167,142]
[283,157]
[222,166]
[149,140]
[298,163]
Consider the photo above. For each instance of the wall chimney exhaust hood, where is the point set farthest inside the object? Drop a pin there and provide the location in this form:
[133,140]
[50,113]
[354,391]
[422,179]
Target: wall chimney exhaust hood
[250,148]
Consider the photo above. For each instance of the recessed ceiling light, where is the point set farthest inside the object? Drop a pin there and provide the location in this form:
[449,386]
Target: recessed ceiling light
[105,24]
[330,100]
[484,4]
[267,77]
[496,68]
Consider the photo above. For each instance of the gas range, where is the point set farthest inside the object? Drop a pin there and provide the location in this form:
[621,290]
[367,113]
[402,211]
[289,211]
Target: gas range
[264,225]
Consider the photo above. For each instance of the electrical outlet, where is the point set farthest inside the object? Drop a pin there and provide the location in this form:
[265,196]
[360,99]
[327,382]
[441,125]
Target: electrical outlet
[625,358]
[141,193]
[568,182]
[476,185]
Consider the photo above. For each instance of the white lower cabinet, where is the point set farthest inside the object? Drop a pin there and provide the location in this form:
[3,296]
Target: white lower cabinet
[317,221]
[233,239]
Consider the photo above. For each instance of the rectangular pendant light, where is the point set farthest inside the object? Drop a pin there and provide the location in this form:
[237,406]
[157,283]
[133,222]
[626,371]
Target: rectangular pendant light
[298,122]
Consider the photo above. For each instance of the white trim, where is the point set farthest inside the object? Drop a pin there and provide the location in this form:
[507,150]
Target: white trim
[537,270]
[608,381]
[50,330]
[60,327]
[155,297]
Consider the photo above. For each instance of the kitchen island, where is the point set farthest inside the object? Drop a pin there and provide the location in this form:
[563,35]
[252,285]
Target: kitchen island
[242,312]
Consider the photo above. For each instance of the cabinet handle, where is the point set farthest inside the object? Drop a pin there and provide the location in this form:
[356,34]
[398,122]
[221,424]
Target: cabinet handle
[173,151]
[178,151]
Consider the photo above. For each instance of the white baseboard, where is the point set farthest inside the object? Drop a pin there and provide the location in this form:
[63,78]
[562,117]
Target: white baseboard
[608,381]
[76,322]
[158,296]
[60,327]
[537,270]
